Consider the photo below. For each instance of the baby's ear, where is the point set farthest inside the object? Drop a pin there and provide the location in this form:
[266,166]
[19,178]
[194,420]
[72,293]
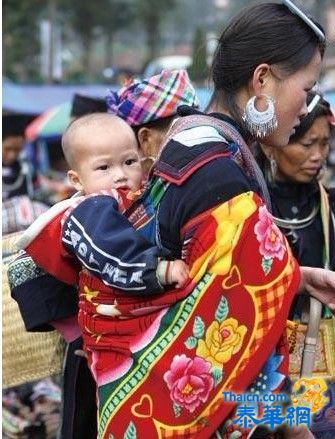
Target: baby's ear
[74,180]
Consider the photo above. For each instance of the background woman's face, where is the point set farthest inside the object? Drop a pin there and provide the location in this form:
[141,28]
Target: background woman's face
[302,160]
[11,149]
[290,95]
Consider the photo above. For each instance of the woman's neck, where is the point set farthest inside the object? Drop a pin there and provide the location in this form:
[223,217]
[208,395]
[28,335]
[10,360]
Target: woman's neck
[216,107]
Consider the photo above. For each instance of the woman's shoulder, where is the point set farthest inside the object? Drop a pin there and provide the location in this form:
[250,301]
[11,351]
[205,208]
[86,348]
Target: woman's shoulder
[214,183]
[218,181]
[191,149]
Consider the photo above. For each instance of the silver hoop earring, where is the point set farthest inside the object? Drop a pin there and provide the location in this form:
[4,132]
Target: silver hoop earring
[260,123]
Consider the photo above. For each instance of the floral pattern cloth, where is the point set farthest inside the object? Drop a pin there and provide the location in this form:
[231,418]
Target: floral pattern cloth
[272,241]
[162,361]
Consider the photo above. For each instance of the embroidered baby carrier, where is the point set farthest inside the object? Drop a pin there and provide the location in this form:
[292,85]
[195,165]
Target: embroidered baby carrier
[162,362]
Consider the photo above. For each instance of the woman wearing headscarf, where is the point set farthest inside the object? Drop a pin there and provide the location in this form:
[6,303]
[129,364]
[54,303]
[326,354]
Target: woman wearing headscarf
[302,207]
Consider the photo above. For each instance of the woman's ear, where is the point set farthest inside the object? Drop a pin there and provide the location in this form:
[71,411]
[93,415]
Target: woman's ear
[146,140]
[74,180]
[260,79]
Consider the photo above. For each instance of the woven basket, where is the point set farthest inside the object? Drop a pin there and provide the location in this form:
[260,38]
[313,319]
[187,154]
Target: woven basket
[26,356]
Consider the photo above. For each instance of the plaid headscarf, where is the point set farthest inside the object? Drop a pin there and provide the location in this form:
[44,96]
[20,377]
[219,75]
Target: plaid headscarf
[157,97]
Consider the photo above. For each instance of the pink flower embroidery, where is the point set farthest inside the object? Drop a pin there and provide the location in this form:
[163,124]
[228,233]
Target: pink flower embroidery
[189,381]
[269,236]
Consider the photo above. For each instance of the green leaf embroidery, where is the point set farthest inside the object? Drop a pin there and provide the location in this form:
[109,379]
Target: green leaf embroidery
[222,310]
[130,432]
[176,409]
[217,375]
[198,327]
[191,342]
[266,264]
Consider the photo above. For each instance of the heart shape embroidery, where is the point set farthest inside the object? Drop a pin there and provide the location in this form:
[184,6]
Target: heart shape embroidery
[143,408]
[233,279]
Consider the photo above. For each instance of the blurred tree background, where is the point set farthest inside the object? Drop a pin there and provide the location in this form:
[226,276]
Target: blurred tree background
[86,41]
[198,68]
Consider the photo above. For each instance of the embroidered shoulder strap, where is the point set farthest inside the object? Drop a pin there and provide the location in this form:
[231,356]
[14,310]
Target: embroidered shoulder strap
[141,214]
[242,156]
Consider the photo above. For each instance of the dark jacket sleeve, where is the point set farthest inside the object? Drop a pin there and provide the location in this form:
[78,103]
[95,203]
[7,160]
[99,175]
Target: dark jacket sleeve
[41,298]
[105,243]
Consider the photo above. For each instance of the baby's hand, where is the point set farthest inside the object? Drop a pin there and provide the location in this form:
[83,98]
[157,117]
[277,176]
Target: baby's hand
[178,273]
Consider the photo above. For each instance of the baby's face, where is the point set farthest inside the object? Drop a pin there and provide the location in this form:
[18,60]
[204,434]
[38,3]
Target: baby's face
[109,162]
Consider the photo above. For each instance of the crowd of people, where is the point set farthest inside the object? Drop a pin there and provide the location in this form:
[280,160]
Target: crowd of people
[180,217]
[32,410]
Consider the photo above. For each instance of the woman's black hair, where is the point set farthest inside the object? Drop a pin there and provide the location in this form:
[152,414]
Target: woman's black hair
[322,108]
[263,33]
[159,124]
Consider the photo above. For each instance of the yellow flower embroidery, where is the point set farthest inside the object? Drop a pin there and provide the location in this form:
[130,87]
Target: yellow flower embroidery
[230,218]
[89,294]
[222,340]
